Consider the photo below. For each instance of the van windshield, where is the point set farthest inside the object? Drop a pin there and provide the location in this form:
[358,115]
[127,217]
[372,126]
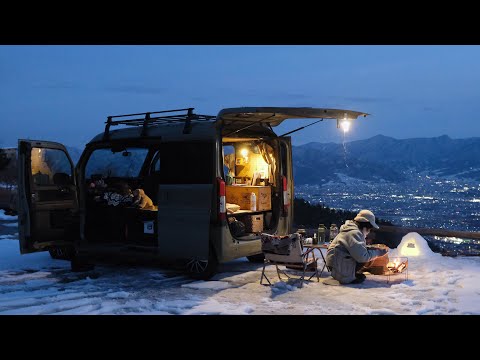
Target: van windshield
[125,162]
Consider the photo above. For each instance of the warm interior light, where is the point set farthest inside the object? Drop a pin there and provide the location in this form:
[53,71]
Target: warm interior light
[244,152]
[345,124]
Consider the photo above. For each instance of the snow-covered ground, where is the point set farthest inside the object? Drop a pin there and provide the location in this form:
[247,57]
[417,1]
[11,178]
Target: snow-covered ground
[37,284]
[6,217]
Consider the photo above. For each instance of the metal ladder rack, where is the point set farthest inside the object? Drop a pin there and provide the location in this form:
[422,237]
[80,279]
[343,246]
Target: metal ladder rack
[182,115]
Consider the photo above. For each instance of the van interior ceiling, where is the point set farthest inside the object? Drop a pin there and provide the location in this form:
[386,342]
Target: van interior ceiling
[250,174]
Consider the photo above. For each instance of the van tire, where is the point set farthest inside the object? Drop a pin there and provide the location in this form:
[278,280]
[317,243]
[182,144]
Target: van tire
[258,258]
[80,264]
[201,269]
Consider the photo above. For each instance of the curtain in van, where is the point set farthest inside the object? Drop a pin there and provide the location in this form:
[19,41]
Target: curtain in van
[267,154]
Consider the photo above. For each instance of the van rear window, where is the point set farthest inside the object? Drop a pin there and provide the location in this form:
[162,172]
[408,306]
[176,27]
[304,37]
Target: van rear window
[187,163]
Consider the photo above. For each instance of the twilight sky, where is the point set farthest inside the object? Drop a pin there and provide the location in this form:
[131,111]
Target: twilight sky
[65,93]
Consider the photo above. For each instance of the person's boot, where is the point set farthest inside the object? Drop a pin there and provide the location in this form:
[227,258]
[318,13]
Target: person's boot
[359,279]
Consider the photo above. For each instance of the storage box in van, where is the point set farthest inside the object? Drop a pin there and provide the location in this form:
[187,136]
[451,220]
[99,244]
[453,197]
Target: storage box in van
[241,195]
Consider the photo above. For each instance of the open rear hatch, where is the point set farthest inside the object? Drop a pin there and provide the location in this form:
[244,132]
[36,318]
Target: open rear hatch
[258,165]
[238,119]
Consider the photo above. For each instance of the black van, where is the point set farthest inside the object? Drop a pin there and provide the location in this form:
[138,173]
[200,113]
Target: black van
[215,183]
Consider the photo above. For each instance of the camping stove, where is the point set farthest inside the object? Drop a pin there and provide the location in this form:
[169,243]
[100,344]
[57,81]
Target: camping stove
[397,265]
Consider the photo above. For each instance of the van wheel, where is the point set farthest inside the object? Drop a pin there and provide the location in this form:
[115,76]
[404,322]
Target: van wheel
[258,258]
[79,264]
[203,269]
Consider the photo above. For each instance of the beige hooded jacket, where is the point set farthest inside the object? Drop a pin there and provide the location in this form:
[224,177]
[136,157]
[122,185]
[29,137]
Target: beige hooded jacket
[347,250]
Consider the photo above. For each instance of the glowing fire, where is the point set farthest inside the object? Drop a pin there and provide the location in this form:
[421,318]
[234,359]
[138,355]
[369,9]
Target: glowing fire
[394,263]
[397,264]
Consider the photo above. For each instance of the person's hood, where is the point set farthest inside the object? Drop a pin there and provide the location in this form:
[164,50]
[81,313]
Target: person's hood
[349,226]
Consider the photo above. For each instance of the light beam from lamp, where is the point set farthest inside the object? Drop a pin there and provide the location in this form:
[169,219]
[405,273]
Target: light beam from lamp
[344,124]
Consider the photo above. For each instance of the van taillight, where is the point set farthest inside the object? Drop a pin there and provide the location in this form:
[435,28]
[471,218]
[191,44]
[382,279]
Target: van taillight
[222,206]
[286,200]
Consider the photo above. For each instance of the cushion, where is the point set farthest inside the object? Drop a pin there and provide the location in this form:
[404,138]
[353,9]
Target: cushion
[276,244]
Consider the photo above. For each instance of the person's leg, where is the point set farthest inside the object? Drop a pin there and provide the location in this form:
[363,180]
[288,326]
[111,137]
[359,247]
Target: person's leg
[361,267]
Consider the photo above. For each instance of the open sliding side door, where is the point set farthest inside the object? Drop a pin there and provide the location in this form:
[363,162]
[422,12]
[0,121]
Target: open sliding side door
[47,196]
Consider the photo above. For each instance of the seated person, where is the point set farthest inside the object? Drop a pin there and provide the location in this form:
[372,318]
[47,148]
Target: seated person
[347,254]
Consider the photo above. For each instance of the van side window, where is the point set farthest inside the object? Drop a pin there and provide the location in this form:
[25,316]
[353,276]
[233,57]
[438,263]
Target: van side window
[50,167]
[187,162]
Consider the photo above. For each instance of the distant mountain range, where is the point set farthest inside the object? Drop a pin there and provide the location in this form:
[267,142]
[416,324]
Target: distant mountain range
[382,158]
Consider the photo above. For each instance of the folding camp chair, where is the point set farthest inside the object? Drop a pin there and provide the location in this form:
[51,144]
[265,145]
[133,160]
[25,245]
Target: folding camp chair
[287,251]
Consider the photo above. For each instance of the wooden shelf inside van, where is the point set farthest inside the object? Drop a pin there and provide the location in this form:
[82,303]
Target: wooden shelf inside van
[241,212]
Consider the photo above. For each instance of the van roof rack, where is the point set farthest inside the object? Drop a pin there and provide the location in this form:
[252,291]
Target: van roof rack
[185,115]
